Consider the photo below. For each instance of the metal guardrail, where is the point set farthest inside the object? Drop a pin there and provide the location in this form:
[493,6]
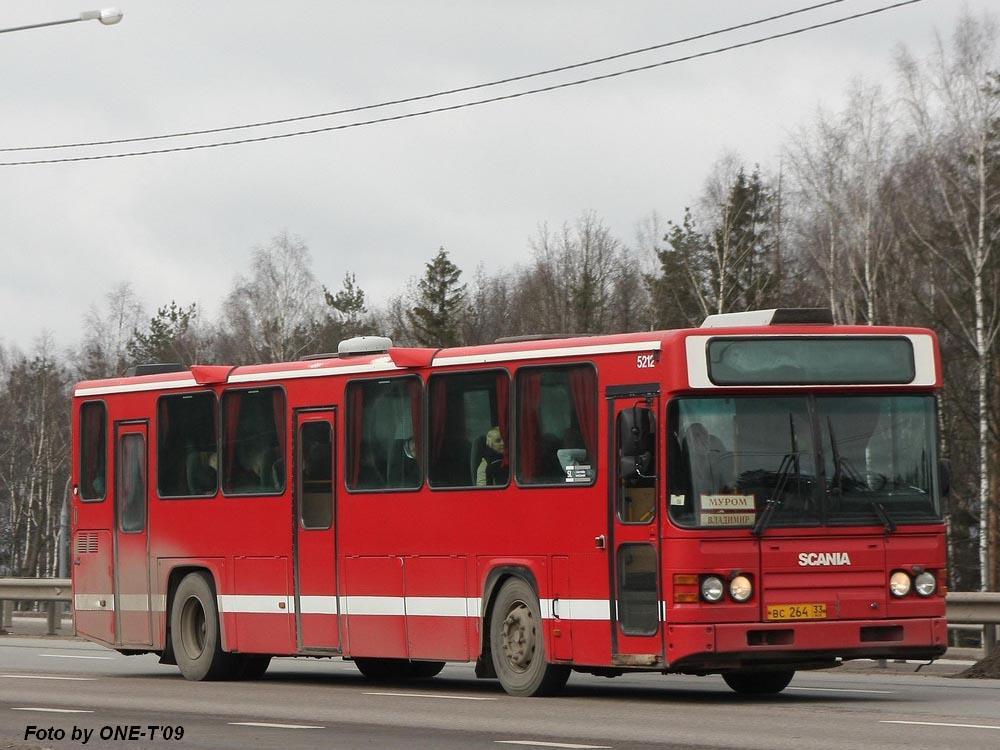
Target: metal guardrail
[980,608]
[50,590]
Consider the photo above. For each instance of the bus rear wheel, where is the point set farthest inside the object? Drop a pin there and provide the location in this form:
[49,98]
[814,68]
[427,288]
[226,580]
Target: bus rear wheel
[383,670]
[195,634]
[517,643]
[759,683]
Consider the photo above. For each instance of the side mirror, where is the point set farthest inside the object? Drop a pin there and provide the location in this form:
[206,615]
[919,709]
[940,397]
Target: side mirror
[944,476]
[636,430]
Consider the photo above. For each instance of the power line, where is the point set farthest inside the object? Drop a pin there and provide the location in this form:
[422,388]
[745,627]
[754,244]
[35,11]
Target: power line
[476,103]
[423,97]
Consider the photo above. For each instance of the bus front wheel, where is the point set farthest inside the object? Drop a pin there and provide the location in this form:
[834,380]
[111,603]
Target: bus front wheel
[194,631]
[517,643]
[759,683]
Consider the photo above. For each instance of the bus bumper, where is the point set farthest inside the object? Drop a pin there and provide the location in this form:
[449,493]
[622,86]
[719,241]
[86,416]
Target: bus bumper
[735,645]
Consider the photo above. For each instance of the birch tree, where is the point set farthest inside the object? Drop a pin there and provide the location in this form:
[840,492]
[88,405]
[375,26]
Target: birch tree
[953,115]
[270,315]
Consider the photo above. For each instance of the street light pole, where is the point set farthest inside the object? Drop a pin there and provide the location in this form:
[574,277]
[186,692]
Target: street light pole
[107,16]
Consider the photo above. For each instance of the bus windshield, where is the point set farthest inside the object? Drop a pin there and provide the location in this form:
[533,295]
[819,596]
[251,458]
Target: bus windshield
[806,460]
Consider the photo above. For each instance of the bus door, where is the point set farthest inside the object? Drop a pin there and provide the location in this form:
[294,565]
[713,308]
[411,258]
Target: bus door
[317,624]
[132,609]
[634,539]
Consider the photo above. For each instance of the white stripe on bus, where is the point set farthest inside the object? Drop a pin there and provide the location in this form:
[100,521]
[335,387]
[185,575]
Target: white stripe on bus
[564,351]
[411,606]
[382,364]
[165,385]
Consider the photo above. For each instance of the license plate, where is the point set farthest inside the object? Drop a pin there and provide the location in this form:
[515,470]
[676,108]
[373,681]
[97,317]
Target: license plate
[796,612]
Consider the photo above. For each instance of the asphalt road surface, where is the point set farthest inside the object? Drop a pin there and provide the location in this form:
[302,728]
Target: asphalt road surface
[310,703]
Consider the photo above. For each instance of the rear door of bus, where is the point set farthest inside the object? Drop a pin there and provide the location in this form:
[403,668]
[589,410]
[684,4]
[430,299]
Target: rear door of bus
[132,534]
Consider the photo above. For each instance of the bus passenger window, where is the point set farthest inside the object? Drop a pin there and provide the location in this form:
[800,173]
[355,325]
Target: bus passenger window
[316,477]
[384,434]
[557,425]
[253,442]
[468,429]
[93,451]
[187,445]
[132,482]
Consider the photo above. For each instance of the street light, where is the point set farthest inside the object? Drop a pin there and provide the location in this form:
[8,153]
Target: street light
[107,16]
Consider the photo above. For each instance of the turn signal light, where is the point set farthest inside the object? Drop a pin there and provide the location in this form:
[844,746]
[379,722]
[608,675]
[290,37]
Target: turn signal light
[685,588]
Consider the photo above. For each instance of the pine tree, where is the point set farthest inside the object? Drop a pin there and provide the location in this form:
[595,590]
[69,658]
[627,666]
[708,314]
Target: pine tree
[164,340]
[436,316]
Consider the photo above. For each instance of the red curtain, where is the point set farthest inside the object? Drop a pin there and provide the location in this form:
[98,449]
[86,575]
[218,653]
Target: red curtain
[278,409]
[583,391]
[355,426]
[503,413]
[529,430]
[231,404]
[438,415]
[414,389]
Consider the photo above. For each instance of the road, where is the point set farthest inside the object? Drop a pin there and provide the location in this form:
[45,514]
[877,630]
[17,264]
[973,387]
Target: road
[308,703]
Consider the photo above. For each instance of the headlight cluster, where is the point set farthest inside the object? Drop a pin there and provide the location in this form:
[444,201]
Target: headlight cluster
[901,583]
[689,588]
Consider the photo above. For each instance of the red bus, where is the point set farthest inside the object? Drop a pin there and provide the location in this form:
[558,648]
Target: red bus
[749,498]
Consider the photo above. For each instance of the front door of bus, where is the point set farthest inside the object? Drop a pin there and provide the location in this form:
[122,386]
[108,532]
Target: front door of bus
[132,535]
[317,623]
[634,540]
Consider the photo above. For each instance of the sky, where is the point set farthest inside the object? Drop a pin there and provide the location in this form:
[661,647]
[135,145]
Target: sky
[380,200]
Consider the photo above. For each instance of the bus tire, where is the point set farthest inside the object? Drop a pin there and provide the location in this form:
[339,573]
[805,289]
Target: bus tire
[251,666]
[759,683]
[517,643]
[195,633]
[387,670]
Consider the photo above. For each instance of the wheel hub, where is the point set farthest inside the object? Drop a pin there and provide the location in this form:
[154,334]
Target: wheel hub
[519,637]
[194,628]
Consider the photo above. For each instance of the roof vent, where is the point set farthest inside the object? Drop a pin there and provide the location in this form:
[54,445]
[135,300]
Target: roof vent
[154,368]
[777,317]
[364,345]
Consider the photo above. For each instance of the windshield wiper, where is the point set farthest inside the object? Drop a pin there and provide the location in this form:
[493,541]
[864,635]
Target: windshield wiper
[841,468]
[788,462]
[883,515]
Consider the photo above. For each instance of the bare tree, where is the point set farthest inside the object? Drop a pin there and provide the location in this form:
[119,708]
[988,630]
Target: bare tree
[572,279]
[271,314]
[107,332]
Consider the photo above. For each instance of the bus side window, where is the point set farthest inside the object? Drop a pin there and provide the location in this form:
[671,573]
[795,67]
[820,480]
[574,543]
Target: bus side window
[384,434]
[253,442]
[557,425]
[468,429]
[187,445]
[93,450]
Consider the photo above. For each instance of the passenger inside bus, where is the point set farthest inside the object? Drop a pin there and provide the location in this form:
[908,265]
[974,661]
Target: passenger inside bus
[403,467]
[705,454]
[202,469]
[489,449]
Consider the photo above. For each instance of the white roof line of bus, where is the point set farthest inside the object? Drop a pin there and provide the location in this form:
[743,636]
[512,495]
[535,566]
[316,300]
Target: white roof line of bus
[565,351]
[383,364]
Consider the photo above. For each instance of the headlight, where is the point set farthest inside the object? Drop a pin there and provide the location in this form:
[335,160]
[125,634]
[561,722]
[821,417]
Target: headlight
[899,583]
[925,583]
[740,588]
[711,588]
